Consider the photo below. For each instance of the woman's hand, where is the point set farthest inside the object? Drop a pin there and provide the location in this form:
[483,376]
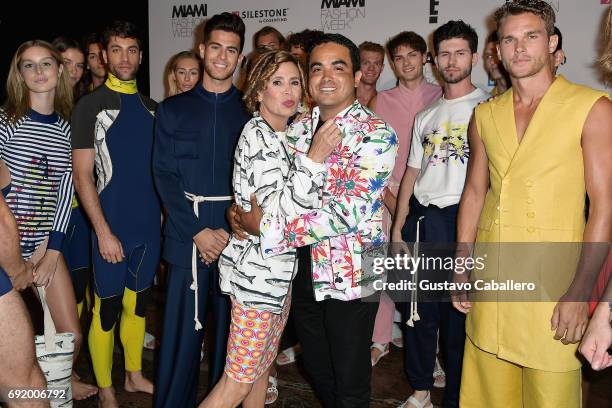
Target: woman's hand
[44,270]
[598,338]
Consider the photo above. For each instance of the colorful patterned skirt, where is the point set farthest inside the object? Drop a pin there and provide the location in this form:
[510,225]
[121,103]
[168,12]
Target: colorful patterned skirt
[253,341]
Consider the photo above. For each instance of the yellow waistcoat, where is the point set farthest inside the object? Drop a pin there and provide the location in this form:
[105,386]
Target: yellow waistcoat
[536,194]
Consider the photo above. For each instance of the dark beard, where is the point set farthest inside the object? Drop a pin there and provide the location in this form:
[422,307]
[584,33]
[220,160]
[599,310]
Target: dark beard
[464,74]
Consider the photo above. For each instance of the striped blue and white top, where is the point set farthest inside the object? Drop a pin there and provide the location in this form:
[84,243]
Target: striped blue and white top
[37,151]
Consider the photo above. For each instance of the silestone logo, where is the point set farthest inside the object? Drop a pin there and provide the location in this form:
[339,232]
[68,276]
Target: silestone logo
[264,16]
[186,17]
[338,15]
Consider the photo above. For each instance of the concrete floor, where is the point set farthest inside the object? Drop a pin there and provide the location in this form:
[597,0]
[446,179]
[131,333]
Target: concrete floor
[389,384]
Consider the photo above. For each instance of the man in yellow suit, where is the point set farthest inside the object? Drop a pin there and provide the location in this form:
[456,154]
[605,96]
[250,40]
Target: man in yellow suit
[536,150]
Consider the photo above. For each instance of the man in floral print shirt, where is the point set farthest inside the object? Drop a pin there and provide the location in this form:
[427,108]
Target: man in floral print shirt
[334,325]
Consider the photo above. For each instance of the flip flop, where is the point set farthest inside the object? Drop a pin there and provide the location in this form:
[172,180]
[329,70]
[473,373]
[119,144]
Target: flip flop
[384,350]
[290,354]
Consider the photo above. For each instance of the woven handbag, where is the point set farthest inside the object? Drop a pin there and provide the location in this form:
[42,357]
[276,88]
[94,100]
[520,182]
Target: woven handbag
[54,352]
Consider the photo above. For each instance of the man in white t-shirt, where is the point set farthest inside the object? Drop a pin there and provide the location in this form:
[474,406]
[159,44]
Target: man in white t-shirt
[428,199]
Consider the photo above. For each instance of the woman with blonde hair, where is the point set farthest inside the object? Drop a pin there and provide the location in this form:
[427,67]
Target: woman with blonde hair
[35,146]
[182,72]
[266,170]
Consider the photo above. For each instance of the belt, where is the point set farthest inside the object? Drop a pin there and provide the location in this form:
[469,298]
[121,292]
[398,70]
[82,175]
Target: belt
[196,199]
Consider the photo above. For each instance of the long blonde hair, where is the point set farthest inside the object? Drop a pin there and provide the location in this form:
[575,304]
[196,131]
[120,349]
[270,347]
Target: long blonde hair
[18,95]
[171,88]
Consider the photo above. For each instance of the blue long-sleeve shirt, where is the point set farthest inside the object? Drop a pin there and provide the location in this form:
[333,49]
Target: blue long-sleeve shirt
[195,137]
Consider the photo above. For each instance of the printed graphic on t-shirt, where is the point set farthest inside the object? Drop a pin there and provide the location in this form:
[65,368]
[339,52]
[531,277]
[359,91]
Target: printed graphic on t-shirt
[444,142]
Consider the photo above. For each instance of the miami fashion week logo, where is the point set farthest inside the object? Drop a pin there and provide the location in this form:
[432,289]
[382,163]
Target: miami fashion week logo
[338,15]
[186,17]
[264,16]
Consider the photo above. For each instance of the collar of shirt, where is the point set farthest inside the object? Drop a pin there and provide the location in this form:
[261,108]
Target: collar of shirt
[214,96]
[338,118]
[118,85]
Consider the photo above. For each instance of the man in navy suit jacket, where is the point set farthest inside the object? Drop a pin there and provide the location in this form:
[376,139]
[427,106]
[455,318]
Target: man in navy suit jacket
[195,136]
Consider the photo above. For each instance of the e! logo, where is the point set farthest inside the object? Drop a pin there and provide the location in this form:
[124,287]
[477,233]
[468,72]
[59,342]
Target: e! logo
[433,11]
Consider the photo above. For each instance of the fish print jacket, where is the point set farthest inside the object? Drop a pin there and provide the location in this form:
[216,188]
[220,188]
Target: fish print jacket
[286,185]
[351,211]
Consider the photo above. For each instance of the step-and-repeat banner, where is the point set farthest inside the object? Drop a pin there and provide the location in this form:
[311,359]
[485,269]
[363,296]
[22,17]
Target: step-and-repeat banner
[176,25]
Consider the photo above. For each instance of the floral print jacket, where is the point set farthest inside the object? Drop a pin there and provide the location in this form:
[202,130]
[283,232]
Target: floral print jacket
[352,202]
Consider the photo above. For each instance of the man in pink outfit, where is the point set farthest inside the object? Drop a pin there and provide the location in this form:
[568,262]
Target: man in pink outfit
[398,106]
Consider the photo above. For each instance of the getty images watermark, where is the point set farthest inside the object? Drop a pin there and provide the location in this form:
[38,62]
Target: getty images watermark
[488,272]
[446,265]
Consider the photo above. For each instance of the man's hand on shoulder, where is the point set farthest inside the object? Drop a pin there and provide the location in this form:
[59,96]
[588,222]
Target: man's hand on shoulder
[250,220]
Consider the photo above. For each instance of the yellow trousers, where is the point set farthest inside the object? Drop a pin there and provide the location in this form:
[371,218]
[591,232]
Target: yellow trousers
[101,342]
[490,382]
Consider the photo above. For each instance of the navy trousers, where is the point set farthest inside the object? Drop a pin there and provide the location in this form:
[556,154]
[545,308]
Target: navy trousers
[438,225]
[179,361]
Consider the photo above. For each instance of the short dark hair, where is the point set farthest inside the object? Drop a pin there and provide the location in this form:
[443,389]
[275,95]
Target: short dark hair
[302,39]
[296,40]
[340,40]
[265,31]
[88,39]
[455,29]
[409,38]
[557,32]
[121,29]
[492,38]
[372,47]
[538,7]
[229,22]
[63,43]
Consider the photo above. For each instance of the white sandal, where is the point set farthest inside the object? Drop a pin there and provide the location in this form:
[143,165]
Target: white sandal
[272,391]
[290,354]
[426,403]
[439,372]
[384,350]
